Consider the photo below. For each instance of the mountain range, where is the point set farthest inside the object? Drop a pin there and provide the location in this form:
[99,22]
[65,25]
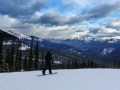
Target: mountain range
[101,49]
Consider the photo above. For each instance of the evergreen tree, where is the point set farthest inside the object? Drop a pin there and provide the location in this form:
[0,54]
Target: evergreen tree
[1,53]
[7,59]
[83,65]
[68,64]
[25,64]
[36,66]
[10,58]
[42,62]
[17,60]
[76,64]
[20,60]
[92,64]
[62,65]
[30,62]
[88,64]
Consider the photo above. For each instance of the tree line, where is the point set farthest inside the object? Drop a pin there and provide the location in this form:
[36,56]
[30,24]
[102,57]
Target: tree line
[14,59]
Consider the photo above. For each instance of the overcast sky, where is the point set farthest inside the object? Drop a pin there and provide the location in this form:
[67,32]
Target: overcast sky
[56,19]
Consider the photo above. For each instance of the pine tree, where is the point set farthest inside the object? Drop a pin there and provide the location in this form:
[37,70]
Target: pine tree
[68,64]
[62,65]
[76,64]
[17,60]
[36,66]
[7,59]
[115,64]
[42,62]
[20,59]
[83,65]
[30,62]
[11,58]
[92,64]
[1,53]
[25,64]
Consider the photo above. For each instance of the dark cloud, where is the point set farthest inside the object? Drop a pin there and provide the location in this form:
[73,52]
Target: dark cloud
[52,18]
[96,13]
[24,9]
[16,8]
[103,10]
[114,23]
[94,30]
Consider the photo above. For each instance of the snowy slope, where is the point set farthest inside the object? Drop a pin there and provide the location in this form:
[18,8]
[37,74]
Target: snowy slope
[107,51]
[18,35]
[81,79]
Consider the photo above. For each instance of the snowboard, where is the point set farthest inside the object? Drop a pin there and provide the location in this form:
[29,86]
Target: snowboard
[48,74]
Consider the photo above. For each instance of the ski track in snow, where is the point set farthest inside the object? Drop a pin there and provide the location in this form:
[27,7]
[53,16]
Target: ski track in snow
[77,79]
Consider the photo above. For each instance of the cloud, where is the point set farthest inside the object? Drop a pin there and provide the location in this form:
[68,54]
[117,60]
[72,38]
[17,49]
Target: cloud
[103,10]
[114,23]
[19,8]
[51,18]
[97,12]
[6,22]
[105,30]
[40,30]
[30,17]
[68,6]
[92,3]
[29,11]
[58,32]
[82,3]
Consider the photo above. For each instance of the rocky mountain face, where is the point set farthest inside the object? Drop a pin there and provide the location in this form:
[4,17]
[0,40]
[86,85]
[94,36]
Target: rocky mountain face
[108,49]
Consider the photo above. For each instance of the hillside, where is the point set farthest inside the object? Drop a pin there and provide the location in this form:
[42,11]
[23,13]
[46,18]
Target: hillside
[77,79]
[99,49]
[19,49]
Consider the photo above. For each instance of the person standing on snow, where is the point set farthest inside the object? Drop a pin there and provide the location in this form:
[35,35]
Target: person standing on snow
[48,62]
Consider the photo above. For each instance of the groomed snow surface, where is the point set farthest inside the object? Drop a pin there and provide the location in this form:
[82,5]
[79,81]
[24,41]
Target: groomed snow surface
[78,79]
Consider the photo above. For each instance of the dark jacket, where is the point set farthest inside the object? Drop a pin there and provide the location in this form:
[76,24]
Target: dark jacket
[48,57]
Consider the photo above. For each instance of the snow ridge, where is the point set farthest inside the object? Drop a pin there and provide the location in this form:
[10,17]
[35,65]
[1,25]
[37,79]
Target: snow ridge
[107,51]
[18,35]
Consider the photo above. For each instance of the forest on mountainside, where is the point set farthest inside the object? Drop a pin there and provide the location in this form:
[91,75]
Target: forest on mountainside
[13,58]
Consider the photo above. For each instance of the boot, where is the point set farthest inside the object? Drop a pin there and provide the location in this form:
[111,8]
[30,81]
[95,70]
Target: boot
[43,72]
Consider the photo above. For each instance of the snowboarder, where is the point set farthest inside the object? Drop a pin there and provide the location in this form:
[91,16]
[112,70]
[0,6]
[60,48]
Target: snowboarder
[48,61]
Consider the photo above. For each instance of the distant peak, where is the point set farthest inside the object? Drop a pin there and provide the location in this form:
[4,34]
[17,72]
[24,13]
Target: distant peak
[18,35]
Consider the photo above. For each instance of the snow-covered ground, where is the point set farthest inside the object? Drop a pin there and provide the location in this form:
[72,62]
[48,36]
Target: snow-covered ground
[81,79]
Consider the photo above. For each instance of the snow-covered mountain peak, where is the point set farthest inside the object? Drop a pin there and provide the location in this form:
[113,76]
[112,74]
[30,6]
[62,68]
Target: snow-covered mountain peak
[18,35]
[113,39]
[86,38]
